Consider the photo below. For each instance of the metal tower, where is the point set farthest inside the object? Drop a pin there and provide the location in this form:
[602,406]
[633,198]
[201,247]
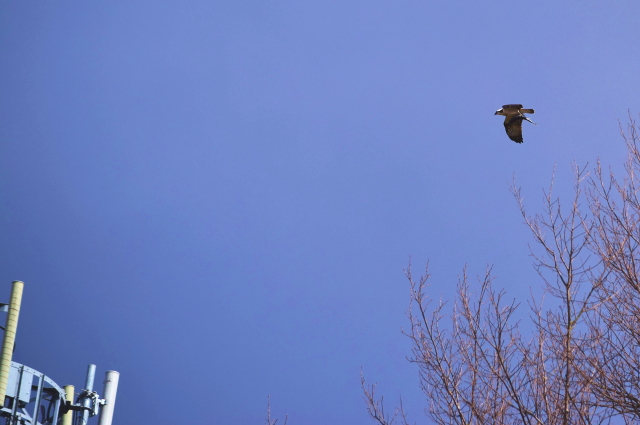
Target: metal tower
[30,397]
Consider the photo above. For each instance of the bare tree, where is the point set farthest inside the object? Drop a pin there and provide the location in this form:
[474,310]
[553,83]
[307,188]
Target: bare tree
[611,359]
[274,421]
[375,406]
[579,361]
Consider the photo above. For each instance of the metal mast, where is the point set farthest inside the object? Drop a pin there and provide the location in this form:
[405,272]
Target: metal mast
[29,397]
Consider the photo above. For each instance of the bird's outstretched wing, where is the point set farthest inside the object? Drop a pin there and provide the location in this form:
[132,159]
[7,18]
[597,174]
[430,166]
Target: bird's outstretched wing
[514,106]
[513,125]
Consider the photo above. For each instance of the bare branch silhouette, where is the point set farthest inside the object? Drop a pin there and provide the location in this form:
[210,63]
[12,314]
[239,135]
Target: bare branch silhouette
[581,362]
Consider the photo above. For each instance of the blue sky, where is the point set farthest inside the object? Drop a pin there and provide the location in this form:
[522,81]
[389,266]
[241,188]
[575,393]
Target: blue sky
[217,199]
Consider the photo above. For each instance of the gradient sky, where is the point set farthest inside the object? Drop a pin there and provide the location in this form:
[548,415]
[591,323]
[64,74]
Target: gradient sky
[218,198]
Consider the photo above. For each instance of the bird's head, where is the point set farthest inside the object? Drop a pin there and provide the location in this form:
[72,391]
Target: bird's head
[499,112]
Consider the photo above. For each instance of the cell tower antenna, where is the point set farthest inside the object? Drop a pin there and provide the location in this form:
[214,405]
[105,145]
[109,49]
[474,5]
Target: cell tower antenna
[29,397]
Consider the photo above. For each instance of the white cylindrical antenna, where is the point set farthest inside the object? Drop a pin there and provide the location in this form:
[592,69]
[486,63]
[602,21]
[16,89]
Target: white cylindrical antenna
[10,337]
[110,389]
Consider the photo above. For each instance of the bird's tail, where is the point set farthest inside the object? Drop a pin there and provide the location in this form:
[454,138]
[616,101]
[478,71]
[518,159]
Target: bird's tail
[527,111]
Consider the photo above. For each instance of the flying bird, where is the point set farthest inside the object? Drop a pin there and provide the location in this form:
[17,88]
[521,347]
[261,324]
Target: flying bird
[514,114]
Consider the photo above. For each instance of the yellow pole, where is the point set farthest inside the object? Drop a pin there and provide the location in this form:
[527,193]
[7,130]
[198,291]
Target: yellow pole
[10,336]
[67,418]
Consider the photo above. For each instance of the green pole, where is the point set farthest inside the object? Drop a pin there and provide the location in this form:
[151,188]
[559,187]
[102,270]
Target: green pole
[67,418]
[10,336]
